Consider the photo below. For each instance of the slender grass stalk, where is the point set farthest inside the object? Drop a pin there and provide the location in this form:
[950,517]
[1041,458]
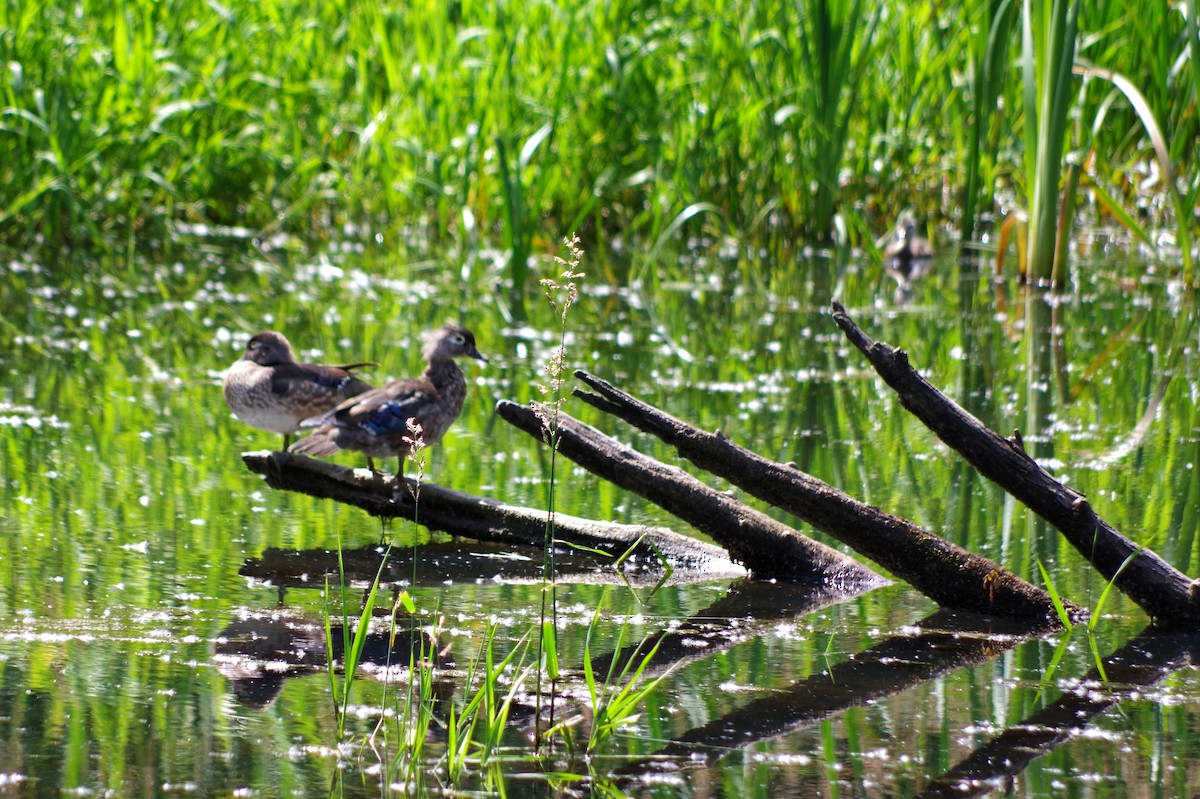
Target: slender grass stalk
[352,643]
[835,40]
[1183,203]
[416,719]
[615,702]
[1066,216]
[1192,31]
[1097,658]
[474,732]
[416,712]
[561,296]
[663,563]
[1055,661]
[1096,611]
[1063,617]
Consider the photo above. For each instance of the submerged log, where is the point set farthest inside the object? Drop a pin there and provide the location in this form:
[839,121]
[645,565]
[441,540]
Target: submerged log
[1166,594]
[768,548]
[480,518]
[943,571]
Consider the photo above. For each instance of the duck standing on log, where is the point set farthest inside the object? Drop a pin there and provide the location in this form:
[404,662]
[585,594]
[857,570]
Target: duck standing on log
[388,420]
[268,389]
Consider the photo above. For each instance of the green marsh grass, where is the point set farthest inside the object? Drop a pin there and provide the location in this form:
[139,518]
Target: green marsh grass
[474,734]
[1064,618]
[354,638]
[616,699]
[482,128]
[351,121]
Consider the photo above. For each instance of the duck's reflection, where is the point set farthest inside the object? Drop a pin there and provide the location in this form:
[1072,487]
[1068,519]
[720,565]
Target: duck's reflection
[259,651]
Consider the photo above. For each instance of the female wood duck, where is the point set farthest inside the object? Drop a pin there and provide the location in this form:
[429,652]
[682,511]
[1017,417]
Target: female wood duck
[269,390]
[907,248]
[383,422]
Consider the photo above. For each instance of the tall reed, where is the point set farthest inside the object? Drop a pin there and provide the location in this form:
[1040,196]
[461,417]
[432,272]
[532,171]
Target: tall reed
[833,44]
[1048,34]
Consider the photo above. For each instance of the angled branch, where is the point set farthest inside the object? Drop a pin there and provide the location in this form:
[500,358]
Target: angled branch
[765,546]
[943,571]
[1161,590]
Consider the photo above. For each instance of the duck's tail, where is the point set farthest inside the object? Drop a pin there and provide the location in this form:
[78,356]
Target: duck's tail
[320,444]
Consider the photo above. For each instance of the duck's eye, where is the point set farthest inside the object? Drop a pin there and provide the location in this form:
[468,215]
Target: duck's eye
[458,339]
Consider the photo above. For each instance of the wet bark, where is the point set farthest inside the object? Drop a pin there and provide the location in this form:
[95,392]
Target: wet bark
[944,572]
[1163,592]
[480,518]
[768,548]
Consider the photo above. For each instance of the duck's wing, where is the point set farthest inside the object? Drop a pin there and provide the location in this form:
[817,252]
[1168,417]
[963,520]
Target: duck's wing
[316,380]
[386,410]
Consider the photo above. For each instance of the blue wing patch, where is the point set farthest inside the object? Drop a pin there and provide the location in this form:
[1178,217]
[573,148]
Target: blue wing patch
[389,418]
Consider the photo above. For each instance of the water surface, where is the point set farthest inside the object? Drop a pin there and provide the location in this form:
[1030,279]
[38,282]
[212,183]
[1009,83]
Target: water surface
[129,519]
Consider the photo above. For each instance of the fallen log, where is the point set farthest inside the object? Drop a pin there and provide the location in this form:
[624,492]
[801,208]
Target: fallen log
[484,519]
[768,548]
[943,571]
[1166,594]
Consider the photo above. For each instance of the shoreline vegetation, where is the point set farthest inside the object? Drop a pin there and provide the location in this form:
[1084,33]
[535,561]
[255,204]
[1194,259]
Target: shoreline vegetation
[484,126]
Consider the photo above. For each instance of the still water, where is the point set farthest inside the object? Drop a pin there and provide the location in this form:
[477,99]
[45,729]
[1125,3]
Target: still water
[143,652]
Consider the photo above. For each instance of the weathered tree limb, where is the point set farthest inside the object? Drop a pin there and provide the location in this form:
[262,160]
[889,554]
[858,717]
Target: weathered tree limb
[1162,591]
[767,547]
[943,571]
[483,519]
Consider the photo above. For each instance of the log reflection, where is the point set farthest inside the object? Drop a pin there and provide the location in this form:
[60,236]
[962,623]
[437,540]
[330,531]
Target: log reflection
[943,642]
[1143,661]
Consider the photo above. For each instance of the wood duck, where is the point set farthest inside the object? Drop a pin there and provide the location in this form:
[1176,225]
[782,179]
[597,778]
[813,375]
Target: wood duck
[384,422]
[268,389]
[907,248]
